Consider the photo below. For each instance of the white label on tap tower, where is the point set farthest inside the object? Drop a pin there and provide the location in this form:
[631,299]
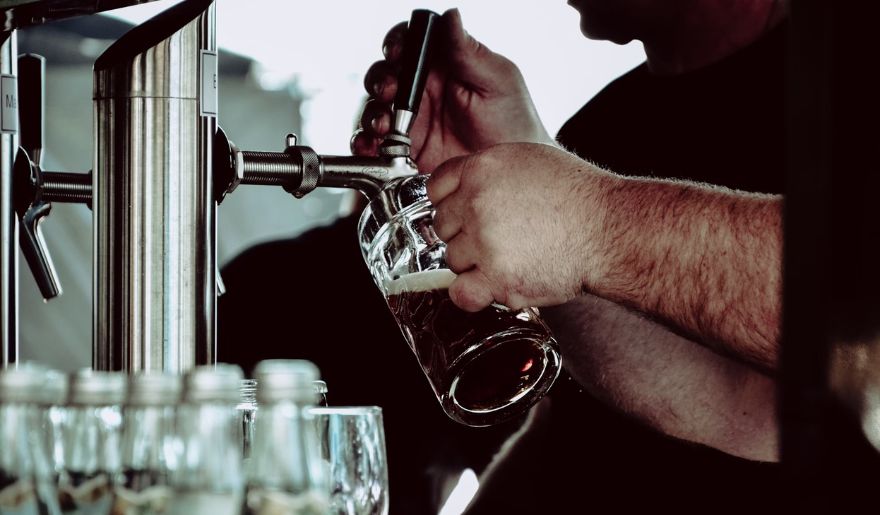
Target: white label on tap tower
[8,103]
[208,100]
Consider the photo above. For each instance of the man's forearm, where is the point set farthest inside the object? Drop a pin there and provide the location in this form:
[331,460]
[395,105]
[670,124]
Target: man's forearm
[672,384]
[705,259]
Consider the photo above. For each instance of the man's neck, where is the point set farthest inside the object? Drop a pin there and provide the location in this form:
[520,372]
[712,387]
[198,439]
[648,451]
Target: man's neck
[706,36]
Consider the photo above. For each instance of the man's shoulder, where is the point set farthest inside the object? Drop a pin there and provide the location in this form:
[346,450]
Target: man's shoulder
[720,124]
[610,104]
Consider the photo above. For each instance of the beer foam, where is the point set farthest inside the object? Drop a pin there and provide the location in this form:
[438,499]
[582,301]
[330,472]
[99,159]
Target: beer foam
[420,282]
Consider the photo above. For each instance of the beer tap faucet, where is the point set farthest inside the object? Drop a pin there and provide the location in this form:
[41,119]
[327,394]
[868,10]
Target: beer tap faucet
[34,189]
[299,169]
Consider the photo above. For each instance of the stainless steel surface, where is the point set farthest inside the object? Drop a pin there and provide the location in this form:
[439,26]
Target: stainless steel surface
[67,187]
[34,248]
[367,174]
[364,173]
[23,13]
[155,278]
[8,224]
[403,121]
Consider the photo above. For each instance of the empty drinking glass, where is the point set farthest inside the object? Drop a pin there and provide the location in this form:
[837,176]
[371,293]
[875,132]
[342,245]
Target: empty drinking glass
[353,447]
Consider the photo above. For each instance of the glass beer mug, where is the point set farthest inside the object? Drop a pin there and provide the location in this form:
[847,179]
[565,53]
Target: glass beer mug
[484,367]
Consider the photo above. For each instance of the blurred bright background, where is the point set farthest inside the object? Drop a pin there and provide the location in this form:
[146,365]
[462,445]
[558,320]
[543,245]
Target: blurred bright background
[285,66]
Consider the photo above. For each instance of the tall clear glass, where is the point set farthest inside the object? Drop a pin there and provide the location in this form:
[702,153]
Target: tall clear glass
[353,447]
[484,367]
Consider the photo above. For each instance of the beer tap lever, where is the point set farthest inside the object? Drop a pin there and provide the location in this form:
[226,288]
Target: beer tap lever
[33,246]
[413,72]
[27,182]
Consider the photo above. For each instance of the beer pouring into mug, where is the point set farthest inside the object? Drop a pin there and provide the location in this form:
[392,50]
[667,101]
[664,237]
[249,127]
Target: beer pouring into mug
[484,367]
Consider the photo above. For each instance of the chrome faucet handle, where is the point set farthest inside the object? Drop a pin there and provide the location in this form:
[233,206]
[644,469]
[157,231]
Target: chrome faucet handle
[31,210]
[30,206]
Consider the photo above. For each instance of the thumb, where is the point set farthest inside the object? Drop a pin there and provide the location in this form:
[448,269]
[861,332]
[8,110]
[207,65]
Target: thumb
[470,61]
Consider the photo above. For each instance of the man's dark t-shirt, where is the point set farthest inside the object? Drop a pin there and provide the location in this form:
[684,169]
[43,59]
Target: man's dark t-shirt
[313,298]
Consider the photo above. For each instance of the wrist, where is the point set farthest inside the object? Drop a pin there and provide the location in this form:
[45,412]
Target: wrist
[598,211]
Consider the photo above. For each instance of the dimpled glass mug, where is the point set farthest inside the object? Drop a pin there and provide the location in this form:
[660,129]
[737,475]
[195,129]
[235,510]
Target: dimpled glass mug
[484,367]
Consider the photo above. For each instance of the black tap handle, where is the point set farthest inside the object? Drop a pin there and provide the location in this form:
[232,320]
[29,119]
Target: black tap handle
[32,101]
[414,64]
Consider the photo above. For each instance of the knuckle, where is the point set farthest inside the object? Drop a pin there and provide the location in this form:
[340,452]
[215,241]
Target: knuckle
[479,205]
[483,166]
[376,76]
[392,45]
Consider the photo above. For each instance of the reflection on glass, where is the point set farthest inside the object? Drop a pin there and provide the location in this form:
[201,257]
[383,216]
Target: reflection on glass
[353,448]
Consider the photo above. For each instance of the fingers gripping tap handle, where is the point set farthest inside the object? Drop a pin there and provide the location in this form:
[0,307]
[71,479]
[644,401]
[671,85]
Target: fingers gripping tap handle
[414,68]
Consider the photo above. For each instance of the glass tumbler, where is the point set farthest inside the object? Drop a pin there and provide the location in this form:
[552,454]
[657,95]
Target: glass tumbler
[484,367]
[352,441]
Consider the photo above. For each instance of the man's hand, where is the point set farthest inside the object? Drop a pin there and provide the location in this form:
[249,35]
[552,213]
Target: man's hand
[516,219]
[532,225]
[474,98]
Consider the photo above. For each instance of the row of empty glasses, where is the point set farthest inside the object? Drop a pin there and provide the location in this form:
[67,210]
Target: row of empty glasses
[207,442]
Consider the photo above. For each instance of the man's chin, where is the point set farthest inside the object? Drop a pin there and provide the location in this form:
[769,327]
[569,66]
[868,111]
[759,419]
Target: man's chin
[601,33]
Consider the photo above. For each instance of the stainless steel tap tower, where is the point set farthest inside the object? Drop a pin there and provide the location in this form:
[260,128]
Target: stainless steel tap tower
[155,105]
[8,223]
[19,14]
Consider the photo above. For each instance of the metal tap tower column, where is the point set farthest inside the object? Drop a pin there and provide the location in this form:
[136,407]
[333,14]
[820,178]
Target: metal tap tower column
[8,223]
[155,214]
